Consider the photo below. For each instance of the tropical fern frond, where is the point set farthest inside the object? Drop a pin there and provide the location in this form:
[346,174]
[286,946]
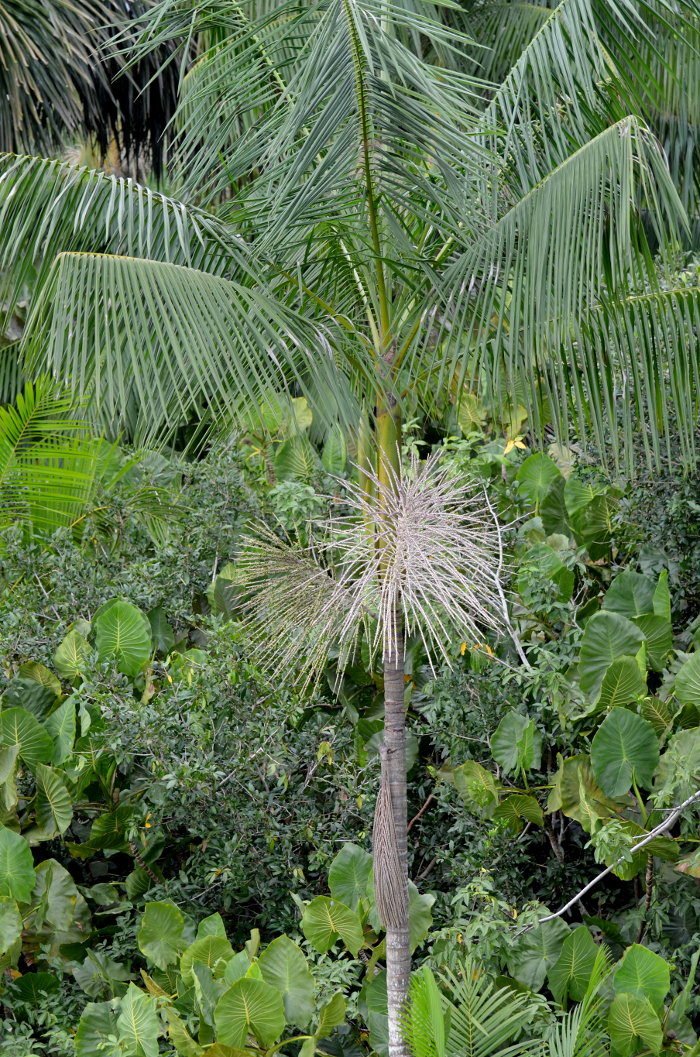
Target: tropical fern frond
[160,345]
[581,1032]
[47,462]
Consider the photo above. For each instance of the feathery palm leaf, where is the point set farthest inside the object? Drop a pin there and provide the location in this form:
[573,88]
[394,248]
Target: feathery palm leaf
[159,344]
[47,465]
[484,1019]
[581,1031]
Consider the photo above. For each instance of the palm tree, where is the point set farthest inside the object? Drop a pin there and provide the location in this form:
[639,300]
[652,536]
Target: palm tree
[57,81]
[365,218]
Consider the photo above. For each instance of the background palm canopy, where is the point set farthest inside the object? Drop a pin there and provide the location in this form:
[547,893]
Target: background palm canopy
[383,204]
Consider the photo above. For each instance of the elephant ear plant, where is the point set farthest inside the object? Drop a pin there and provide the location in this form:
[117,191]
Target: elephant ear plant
[410,555]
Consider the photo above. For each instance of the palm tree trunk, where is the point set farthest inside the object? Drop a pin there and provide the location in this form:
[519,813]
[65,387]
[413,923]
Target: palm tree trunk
[398,955]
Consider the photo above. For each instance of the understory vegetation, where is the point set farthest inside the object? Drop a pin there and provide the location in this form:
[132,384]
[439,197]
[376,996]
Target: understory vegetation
[349,528]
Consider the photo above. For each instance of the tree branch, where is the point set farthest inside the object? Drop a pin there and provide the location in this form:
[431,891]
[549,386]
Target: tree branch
[656,832]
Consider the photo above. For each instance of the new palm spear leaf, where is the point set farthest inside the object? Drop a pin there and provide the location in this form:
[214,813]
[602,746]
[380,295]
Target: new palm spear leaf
[416,553]
[384,229]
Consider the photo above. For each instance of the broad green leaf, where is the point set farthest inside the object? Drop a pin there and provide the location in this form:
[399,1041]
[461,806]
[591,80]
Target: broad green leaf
[223,594]
[593,525]
[634,1026]
[606,638]
[138,1023]
[533,953]
[552,510]
[325,920]
[631,595]
[331,1016]
[122,631]
[207,991]
[571,973]
[97,1032]
[476,786]
[658,637]
[622,683]
[658,713]
[58,905]
[19,727]
[548,565]
[10,923]
[687,683]
[519,807]
[16,866]
[9,757]
[249,1007]
[296,459]
[40,674]
[71,657]
[61,726]
[180,1037]
[213,951]
[284,966]
[160,935]
[516,743]
[576,793]
[348,875]
[211,926]
[535,477]
[643,974]
[54,806]
[161,632]
[420,915]
[679,766]
[625,749]
[29,694]
[335,452]
[662,597]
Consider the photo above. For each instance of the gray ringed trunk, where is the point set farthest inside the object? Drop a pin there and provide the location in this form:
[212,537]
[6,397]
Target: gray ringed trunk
[394,868]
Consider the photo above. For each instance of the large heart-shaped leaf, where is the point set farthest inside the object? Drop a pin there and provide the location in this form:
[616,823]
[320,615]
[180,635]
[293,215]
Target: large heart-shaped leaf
[160,934]
[284,966]
[122,631]
[10,923]
[644,974]
[624,750]
[71,657]
[19,727]
[61,727]
[570,974]
[516,743]
[348,875]
[212,951]
[576,793]
[607,637]
[249,1007]
[658,637]
[622,683]
[634,1026]
[138,1023]
[535,477]
[16,866]
[325,920]
[97,1032]
[533,953]
[54,806]
[687,683]
[630,594]
[30,694]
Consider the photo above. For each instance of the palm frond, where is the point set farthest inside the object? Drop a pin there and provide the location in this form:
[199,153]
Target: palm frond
[160,345]
[424,1022]
[47,461]
[11,374]
[484,1019]
[581,1032]
[49,207]
[516,293]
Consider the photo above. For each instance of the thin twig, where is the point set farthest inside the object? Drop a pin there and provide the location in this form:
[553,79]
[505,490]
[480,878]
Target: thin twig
[422,811]
[656,832]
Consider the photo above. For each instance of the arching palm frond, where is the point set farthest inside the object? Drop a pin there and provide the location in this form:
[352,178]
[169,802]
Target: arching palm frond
[47,462]
[582,1031]
[156,345]
[49,207]
[518,295]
